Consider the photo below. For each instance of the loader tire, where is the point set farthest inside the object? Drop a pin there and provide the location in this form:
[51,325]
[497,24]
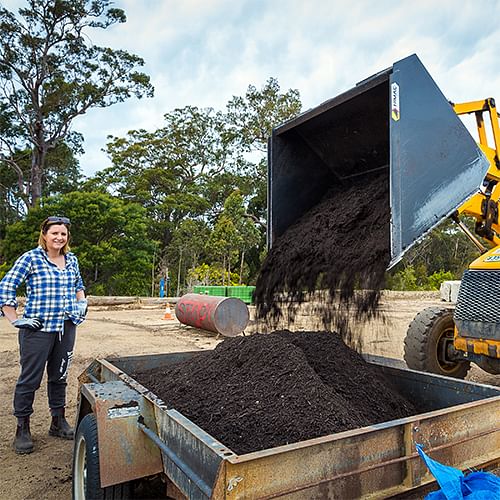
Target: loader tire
[86,475]
[424,344]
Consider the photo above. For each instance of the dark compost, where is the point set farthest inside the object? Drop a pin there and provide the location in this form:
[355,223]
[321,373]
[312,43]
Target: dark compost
[258,392]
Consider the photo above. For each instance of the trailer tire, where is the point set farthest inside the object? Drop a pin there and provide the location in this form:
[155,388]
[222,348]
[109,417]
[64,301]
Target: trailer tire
[86,475]
[423,345]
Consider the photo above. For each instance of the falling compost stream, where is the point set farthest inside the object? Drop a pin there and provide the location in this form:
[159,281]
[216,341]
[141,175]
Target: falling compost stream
[341,247]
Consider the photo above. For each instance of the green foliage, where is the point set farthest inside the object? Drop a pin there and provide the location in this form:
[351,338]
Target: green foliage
[253,116]
[62,172]
[109,237]
[214,274]
[233,235]
[412,278]
[446,247]
[179,171]
[442,255]
[403,279]
[186,173]
[251,119]
[185,250]
[50,73]
[435,279]
[62,175]
[3,269]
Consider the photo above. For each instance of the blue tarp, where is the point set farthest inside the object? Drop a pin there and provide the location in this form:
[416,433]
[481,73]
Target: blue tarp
[455,486]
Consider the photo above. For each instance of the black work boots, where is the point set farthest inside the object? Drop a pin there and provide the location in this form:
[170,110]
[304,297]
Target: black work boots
[23,443]
[59,427]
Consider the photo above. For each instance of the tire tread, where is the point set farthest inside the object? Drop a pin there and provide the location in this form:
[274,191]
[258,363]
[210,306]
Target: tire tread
[418,343]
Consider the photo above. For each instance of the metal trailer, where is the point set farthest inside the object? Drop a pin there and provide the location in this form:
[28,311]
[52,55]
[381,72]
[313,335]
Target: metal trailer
[133,435]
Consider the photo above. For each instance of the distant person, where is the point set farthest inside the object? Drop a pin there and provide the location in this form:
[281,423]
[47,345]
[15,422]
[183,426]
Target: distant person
[55,304]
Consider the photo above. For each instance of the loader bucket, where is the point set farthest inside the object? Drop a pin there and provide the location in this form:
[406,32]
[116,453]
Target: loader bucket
[398,122]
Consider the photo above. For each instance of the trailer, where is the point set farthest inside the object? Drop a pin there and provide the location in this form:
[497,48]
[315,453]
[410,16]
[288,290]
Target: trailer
[125,434]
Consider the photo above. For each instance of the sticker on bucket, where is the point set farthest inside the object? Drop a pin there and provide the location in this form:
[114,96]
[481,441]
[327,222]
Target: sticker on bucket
[395,102]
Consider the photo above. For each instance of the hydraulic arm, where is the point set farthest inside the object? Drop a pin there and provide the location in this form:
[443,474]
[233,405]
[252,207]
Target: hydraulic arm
[483,206]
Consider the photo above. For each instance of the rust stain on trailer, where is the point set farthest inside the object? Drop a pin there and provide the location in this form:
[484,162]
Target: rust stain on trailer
[124,452]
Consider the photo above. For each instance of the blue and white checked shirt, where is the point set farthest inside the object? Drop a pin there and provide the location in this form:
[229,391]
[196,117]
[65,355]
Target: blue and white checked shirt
[50,291]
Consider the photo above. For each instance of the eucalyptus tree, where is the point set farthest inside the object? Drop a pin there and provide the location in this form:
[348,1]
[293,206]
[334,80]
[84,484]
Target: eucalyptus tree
[189,166]
[187,169]
[62,174]
[50,73]
[251,119]
[253,116]
[184,169]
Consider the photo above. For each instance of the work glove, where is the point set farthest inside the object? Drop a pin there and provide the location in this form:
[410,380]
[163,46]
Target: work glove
[82,307]
[28,323]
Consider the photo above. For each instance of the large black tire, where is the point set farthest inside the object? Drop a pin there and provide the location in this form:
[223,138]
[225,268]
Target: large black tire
[424,346]
[86,475]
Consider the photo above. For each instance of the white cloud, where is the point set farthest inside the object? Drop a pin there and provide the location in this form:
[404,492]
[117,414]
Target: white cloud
[202,52]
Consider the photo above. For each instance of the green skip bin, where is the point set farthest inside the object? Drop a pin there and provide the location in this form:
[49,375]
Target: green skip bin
[218,291]
[244,293]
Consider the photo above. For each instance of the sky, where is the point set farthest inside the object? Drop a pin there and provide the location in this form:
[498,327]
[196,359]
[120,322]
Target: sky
[204,52]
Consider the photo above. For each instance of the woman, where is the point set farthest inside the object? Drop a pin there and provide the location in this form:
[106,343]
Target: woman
[55,304]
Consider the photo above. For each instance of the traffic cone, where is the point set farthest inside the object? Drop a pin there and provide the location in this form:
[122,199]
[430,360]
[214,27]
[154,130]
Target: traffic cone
[168,313]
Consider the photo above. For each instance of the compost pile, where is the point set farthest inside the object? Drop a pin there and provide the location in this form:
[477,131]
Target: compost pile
[262,391]
[340,245]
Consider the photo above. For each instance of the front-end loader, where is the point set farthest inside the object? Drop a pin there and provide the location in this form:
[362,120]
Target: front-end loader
[446,340]
[398,122]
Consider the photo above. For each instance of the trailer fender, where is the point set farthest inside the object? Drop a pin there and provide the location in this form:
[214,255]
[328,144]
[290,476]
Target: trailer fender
[125,452]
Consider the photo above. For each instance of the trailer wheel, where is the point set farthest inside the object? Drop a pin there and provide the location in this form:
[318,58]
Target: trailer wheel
[427,338]
[86,475]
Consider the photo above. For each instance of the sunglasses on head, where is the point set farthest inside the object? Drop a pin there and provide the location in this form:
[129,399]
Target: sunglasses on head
[54,219]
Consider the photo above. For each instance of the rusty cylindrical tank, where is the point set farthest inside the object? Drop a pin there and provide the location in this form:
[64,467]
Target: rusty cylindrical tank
[225,315]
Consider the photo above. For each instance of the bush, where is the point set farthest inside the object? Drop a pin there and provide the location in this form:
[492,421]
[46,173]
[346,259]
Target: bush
[206,274]
[413,278]
[3,269]
[435,279]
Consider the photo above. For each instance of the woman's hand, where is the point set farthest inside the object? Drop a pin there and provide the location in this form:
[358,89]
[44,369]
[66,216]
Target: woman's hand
[82,307]
[29,323]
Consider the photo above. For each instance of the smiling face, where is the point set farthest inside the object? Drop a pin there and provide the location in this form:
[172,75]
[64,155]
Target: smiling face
[56,238]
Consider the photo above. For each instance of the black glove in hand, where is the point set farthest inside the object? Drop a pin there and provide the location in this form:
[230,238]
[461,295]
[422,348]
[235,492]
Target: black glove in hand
[29,323]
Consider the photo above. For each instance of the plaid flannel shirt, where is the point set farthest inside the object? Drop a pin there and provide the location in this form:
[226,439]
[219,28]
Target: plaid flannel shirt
[50,291]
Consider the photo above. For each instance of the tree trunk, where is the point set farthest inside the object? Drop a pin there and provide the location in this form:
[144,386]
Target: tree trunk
[241,267]
[37,164]
[179,274]
[153,275]
[224,271]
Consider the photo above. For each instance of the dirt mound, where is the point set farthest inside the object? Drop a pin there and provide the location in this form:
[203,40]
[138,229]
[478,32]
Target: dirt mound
[262,391]
[340,245]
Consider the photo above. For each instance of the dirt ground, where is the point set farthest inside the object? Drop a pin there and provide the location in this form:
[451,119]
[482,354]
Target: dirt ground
[46,473]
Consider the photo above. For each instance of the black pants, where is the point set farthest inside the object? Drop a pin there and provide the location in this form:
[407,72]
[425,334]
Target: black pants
[37,350]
